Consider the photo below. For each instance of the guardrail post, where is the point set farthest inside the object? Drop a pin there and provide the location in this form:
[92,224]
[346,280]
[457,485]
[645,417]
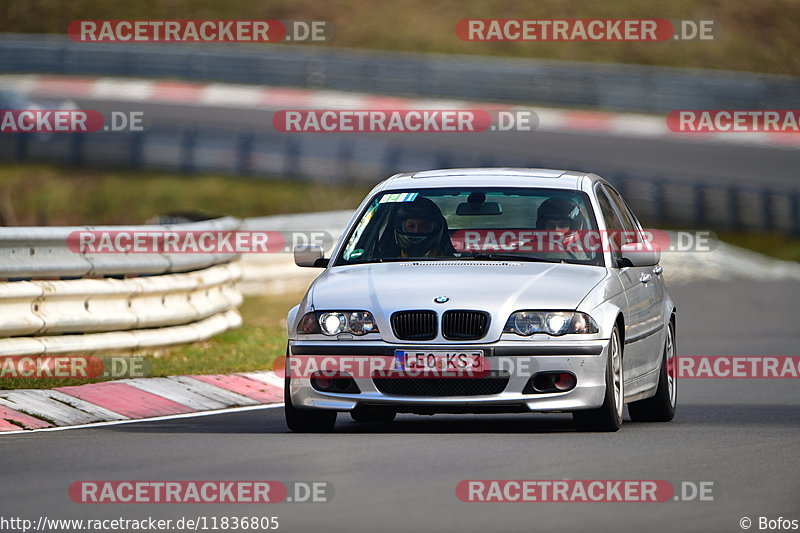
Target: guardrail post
[63,64]
[659,201]
[21,146]
[733,207]
[699,205]
[188,143]
[621,184]
[76,148]
[766,209]
[392,160]
[345,157]
[293,154]
[487,161]
[444,160]
[244,154]
[136,150]
[794,214]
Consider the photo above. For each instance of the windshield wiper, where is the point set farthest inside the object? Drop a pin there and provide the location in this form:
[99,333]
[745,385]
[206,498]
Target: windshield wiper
[485,256]
[512,257]
[400,260]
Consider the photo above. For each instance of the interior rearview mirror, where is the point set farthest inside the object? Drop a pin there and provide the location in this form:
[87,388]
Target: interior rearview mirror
[475,208]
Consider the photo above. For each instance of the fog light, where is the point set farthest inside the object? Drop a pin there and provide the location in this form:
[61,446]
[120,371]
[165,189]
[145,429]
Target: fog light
[334,381]
[322,382]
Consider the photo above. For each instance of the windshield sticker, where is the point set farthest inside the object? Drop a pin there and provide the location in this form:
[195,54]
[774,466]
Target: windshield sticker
[399,197]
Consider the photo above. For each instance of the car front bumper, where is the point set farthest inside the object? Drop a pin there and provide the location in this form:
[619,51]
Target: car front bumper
[585,359]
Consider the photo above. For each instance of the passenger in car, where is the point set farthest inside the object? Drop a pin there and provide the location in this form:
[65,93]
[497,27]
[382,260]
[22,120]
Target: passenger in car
[563,217]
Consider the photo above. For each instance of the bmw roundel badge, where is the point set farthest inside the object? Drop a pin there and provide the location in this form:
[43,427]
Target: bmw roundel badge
[441,299]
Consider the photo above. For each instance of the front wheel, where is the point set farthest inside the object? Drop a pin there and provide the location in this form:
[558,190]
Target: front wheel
[306,420]
[607,417]
[661,407]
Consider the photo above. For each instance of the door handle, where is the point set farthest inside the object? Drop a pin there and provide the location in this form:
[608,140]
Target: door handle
[658,270]
[645,278]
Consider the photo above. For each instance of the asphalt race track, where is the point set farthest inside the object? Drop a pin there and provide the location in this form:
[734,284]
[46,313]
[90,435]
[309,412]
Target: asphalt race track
[740,434]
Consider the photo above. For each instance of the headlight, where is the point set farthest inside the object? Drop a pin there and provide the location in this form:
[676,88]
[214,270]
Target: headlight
[332,323]
[554,323]
[361,323]
[336,322]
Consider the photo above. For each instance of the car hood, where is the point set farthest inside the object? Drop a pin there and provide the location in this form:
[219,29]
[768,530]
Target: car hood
[497,287]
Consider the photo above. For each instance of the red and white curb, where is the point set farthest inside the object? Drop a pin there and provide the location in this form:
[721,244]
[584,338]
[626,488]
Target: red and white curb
[135,399]
[274,98]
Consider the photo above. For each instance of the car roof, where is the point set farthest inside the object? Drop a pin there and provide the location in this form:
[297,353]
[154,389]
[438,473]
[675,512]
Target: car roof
[489,176]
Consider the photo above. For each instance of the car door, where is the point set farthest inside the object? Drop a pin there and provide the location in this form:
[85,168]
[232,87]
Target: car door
[653,340]
[637,283]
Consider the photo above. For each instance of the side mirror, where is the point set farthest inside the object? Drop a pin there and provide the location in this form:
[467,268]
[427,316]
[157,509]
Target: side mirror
[640,254]
[310,255]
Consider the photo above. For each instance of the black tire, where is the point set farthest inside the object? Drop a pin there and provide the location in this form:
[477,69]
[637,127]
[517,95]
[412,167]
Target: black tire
[607,417]
[661,407]
[372,414]
[306,420]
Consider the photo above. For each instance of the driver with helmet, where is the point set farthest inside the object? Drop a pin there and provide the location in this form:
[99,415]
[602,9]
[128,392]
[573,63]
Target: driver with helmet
[420,230]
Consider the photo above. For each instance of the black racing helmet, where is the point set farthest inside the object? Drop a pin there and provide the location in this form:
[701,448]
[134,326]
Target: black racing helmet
[559,209]
[419,243]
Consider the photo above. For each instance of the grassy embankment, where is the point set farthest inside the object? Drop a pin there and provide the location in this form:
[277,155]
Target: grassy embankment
[754,36]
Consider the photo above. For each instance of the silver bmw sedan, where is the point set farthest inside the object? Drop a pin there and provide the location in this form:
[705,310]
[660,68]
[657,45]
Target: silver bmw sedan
[484,290]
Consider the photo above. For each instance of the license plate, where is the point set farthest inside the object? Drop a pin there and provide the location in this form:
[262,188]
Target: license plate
[440,360]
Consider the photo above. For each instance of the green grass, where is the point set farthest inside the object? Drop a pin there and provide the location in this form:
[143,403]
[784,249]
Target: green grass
[771,244]
[254,346]
[42,195]
[758,36]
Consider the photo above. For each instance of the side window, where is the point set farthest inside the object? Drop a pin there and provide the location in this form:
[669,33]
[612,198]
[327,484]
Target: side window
[628,221]
[613,222]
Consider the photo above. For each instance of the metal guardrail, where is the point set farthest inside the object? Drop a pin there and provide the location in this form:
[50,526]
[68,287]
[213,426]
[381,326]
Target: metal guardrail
[41,252]
[132,341]
[95,305]
[164,299]
[548,82]
[657,200]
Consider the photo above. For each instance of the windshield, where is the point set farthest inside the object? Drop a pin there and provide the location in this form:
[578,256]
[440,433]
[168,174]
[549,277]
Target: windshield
[473,223]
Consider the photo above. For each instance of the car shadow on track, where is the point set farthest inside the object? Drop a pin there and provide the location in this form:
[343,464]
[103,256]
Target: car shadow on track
[270,421]
[439,424]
